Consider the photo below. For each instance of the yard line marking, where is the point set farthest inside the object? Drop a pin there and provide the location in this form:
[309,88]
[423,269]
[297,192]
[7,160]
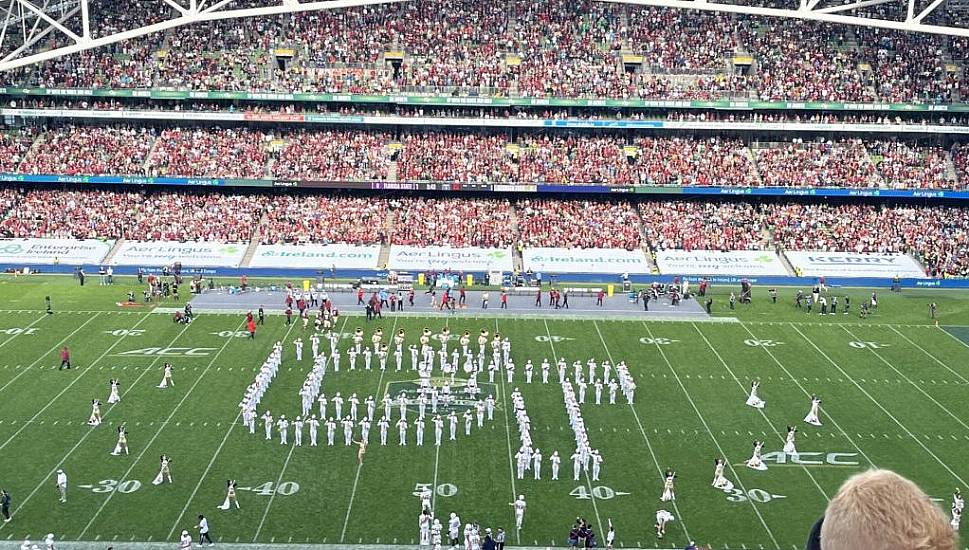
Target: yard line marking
[808,394]
[78,377]
[215,455]
[588,481]
[28,327]
[909,380]
[879,405]
[356,478]
[51,350]
[511,466]
[272,497]
[44,481]
[933,357]
[709,431]
[743,390]
[159,431]
[642,430]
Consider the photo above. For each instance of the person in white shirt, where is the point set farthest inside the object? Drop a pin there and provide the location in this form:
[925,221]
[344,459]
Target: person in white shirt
[519,511]
[185,543]
[62,485]
[203,528]
[555,459]
[282,425]
[314,426]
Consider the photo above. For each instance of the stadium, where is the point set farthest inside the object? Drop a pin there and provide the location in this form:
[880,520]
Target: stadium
[428,274]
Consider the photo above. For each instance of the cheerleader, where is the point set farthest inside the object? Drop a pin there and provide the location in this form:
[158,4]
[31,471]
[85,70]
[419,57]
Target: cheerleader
[167,377]
[95,418]
[719,481]
[755,462]
[957,506]
[662,518]
[812,415]
[165,472]
[789,447]
[230,495]
[122,445]
[753,400]
[114,397]
[668,492]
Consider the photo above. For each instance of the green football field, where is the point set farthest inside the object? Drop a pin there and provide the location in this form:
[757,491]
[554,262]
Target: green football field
[894,391]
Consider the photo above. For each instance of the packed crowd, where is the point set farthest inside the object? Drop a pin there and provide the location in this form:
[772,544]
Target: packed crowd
[291,219]
[453,222]
[551,47]
[842,163]
[132,215]
[938,236]
[577,224]
[462,156]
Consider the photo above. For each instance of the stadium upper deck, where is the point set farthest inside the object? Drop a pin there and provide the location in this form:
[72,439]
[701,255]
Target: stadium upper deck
[546,48]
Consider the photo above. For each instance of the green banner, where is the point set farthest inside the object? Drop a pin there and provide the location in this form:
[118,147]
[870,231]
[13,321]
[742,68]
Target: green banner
[724,104]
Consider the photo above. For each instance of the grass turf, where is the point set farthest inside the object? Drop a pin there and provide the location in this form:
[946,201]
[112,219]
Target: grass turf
[893,389]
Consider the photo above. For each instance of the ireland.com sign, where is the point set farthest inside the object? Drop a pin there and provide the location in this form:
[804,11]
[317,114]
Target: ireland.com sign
[599,260]
[190,254]
[854,264]
[413,258]
[316,256]
[53,251]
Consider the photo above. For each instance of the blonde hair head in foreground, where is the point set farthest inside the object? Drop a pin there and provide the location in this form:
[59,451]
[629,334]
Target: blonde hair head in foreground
[881,510]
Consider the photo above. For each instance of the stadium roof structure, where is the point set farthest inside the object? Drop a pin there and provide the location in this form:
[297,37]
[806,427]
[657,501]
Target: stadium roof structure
[903,15]
[26,23]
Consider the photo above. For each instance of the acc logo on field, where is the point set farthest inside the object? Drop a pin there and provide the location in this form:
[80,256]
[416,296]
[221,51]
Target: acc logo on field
[811,459]
[170,352]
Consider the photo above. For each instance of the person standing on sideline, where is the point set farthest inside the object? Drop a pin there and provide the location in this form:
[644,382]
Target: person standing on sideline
[262,316]
[500,539]
[185,543]
[65,358]
[599,296]
[5,505]
[203,528]
[251,327]
[62,485]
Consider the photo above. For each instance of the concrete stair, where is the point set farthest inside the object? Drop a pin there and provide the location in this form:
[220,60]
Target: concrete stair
[114,250]
[950,167]
[253,242]
[753,162]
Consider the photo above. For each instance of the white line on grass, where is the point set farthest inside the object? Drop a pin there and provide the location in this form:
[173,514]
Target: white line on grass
[159,431]
[51,350]
[743,390]
[595,506]
[933,357]
[30,326]
[44,481]
[879,405]
[709,431]
[808,394]
[356,477]
[215,455]
[272,497]
[74,381]
[909,380]
[642,430]
[511,466]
